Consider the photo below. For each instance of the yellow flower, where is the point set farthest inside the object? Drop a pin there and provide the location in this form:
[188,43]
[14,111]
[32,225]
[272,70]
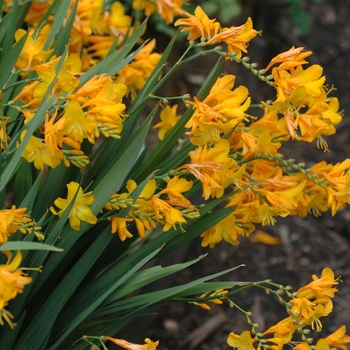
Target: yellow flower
[284,328]
[236,38]
[303,346]
[319,287]
[321,345]
[168,9]
[199,25]
[164,211]
[303,307]
[241,342]
[168,119]
[286,198]
[150,345]
[290,59]
[65,83]
[119,224]
[76,125]
[33,52]
[219,113]
[338,338]
[10,219]
[12,282]
[36,151]
[175,187]
[80,210]
[213,167]
[117,22]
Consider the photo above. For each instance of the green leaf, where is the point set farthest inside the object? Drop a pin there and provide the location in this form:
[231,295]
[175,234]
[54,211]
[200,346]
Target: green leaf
[77,319]
[9,61]
[140,302]
[31,126]
[10,28]
[28,246]
[102,192]
[145,277]
[23,182]
[63,35]
[46,17]
[59,16]
[31,194]
[41,324]
[106,158]
[119,171]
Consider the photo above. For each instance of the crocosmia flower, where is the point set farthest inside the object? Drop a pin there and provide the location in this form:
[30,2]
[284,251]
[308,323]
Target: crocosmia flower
[80,210]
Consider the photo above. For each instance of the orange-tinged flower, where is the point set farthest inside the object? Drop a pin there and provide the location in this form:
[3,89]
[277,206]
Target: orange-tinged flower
[323,345]
[290,59]
[168,118]
[303,307]
[76,125]
[219,113]
[168,9]
[284,329]
[149,344]
[80,210]
[236,38]
[12,282]
[165,212]
[199,25]
[119,224]
[54,136]
[117,22]
[285,198]
[322,286]
[324,308]
[206,165]
[266,213]
[175,187]
[10,220]
[338,339]
[36,151]
[33,52]
[241,342]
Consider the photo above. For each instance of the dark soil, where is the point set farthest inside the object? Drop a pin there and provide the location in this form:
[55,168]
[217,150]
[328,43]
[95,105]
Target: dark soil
[310,244]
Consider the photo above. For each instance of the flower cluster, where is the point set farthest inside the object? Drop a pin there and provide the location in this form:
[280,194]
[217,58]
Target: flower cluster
[302,98]
[239,151]
[78,112]
[75,95]
[13,220]
[211,33]
[12,282]
[306,307]
[167,207]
